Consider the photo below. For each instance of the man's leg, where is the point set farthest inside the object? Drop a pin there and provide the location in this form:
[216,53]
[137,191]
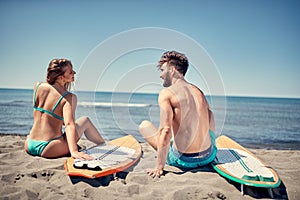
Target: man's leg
[149,132]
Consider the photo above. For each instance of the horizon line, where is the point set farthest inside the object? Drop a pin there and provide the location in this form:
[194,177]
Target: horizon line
[215,95]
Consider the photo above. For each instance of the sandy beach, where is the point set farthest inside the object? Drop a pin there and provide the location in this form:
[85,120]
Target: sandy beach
[26,177]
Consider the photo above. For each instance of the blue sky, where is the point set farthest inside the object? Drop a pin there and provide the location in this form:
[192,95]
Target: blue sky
[255,45]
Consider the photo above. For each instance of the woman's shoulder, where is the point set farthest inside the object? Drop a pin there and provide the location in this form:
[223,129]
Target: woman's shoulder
[41,86]
[71,96]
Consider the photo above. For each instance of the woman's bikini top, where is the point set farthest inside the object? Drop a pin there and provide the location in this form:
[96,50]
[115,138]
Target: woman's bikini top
[54,107]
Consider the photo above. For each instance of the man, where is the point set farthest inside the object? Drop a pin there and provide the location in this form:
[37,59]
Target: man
[185,137]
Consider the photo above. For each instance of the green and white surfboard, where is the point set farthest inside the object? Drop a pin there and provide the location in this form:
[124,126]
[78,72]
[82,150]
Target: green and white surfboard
[238,164]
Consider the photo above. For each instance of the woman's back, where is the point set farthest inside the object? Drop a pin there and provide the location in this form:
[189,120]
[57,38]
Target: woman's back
[48,112]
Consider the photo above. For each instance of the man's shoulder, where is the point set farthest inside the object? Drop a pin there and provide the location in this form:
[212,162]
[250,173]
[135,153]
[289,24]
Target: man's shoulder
[165,94]
[168,91]
[196,88]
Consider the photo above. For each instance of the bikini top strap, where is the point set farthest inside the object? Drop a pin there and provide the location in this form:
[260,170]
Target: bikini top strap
[59,100]
[36,88]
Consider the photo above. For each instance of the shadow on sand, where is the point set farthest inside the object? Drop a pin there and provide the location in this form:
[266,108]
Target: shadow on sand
[255,192]
[102,181]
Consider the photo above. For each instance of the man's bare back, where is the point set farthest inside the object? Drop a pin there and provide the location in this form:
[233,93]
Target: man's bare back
[191,117]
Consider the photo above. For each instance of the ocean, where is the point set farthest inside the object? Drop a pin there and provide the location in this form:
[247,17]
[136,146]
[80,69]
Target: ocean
[255,122]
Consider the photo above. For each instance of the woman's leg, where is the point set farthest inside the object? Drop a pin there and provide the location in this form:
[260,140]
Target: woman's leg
[149,132]
[84,125]
[59,147]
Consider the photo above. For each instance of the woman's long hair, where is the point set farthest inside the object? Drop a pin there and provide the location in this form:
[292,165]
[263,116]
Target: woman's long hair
[56,68]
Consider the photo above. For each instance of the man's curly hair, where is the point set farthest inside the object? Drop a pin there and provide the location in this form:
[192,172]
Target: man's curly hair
[176,59]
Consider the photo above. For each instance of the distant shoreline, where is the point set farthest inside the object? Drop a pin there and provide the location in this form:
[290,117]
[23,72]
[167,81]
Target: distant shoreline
[151,93]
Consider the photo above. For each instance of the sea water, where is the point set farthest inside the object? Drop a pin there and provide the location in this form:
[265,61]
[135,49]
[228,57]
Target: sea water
[272,123]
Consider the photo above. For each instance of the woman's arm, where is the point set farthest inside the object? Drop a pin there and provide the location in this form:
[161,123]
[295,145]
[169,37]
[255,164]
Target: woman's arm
[69,121]
[70,127]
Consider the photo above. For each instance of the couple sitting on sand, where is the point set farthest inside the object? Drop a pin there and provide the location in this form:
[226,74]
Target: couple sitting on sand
[185,137]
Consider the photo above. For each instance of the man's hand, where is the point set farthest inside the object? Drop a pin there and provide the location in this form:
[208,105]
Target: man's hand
[155,173]
[81,156]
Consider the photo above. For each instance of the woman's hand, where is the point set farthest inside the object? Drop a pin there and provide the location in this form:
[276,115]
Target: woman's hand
[155,173]
[81,156]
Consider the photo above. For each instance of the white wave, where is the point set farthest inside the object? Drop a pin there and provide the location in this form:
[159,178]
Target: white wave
[111,104]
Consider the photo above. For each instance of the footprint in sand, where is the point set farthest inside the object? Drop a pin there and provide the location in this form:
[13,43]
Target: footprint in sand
[218,195]
[46,175]
[197,193]
[18,177]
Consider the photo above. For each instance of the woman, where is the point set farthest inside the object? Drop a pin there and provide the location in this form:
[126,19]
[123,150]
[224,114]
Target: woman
[54,106]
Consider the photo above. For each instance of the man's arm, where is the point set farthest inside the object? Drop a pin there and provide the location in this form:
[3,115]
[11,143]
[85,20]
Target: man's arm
[164,133]
[211,121]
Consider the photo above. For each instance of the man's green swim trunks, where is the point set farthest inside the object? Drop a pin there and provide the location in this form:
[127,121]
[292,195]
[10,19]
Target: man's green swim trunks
[192,160]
